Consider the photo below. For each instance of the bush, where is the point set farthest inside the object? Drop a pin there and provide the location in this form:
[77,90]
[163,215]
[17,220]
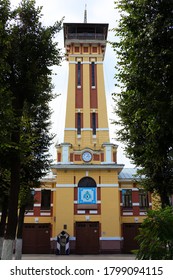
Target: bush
[156,236]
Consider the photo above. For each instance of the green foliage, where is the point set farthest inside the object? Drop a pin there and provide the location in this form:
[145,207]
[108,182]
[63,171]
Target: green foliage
[145,77]
[6,115]
[28,53]
[156,236]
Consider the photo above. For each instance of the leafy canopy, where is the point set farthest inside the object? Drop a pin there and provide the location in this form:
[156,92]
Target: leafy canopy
[156,236]
[144,105]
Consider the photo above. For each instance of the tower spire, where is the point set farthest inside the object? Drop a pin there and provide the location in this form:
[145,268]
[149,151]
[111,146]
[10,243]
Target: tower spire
[85,14]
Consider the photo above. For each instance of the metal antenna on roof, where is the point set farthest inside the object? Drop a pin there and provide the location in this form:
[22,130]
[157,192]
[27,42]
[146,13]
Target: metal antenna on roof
[85,14]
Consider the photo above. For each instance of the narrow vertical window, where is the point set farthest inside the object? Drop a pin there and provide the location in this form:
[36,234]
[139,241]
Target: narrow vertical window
[93,74]
[30,201]
[45,199]
[143,199]
[127,198]
[94,123]
[79,74]
[78,123]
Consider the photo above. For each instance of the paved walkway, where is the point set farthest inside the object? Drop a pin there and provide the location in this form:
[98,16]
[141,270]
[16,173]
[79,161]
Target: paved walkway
[78,257]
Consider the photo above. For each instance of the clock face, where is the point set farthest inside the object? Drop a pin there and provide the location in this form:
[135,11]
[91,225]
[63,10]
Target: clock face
[87,156]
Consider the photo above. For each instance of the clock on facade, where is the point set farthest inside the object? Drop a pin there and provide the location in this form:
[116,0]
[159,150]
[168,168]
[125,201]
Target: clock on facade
[87,156]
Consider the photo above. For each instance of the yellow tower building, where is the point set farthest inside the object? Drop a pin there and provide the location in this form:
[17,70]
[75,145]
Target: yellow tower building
[91,204]
[87,194]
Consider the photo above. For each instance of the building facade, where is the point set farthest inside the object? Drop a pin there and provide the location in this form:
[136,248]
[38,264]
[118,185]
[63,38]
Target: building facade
[93,198]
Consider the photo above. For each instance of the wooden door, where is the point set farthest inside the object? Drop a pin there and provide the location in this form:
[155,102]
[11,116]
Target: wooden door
[36,239]
[130,231]
[87,238]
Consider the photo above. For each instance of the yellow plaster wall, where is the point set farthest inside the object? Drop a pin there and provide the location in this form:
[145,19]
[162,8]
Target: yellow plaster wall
[64,210]
[31,219]
[65,177]
[109,177]
[70,135]
[110,217]
[70,106]
[103,120]
[92,218]
[102,136]
[132,219]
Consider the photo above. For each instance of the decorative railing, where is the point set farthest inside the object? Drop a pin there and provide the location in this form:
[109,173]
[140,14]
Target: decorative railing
[85,36]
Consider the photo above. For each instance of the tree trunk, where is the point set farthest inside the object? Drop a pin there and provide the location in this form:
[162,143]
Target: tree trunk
[10,234]
[3,221]
[1,243]
[7,249]
[18,248]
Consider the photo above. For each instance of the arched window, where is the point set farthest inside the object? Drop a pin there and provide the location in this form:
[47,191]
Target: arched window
[87,182]
[87,191]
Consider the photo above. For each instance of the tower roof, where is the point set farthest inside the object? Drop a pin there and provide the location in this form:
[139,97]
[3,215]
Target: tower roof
[85,32]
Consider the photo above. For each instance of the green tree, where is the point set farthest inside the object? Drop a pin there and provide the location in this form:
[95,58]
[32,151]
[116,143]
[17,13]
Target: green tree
[32,53]
[4,193]
[156,236]
[6,115]
[35,162]
[145,102]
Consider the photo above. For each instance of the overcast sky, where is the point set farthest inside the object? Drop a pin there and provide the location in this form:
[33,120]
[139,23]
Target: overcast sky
[98,11]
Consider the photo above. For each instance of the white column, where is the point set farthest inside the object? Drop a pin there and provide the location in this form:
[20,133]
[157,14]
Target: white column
[65,152]
[108,152]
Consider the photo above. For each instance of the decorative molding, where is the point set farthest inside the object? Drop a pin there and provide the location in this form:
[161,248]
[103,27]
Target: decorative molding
[29,214]
[72,62]
[93,212]
[102,129]
[127,213]
[108,185]
[143,213]
[70,129]
[86,129]
[81,212]
[45,214]
[112,238]
[66,185]
[135,204]
[133,189]
[37,204]
[87,166]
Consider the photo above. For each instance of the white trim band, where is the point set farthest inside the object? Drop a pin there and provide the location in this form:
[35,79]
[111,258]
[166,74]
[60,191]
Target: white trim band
[102,129]
[81,212]
[127,213]
[66,185]
[93,212]
[45,214]
[29,214]
[112,238]
[135,204]
[108,185]
[37,204]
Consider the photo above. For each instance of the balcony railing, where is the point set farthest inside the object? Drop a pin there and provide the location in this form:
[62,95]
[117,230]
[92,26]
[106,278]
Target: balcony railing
[85,36]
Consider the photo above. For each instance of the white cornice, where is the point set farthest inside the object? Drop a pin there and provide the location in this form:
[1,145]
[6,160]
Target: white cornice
[113,166]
